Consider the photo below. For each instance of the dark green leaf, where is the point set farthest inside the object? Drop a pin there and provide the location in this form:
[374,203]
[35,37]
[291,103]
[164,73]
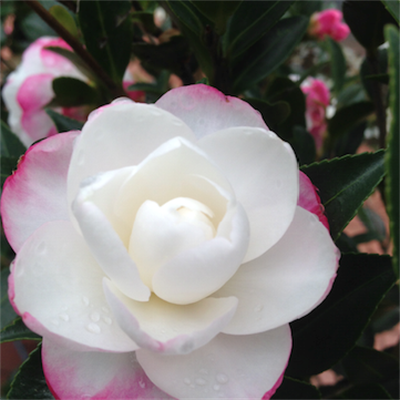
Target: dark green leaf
[7,313]
[295,389]
[366,70]
[107,31]
[338,64]
[386,321]
[251,20]
[7,166]
[344,183]
[350,141]
[71,92]
[364,365]
[11,146]
[268,52]
[17,331]
[64,124]
[147,19]
[348,117]
[392,162]
[303,145]
[393,6]
[373,222]
[30,383]
[64,18]
[371,391]
[306,8]
[324,336]
[34,27]
[381,78]
[351,94]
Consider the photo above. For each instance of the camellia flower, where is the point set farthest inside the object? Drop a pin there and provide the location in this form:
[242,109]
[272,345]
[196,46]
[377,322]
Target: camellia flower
[328,23]
[163,250]
[317,99]
[29,89]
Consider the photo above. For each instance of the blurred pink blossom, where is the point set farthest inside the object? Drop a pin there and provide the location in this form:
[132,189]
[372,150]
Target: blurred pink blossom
[317,99]
[328,23]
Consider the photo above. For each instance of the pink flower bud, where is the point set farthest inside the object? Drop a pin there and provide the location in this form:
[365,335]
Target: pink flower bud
[328,23]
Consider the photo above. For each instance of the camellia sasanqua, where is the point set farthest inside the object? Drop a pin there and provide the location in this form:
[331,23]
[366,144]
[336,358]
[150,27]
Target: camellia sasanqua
[163,250]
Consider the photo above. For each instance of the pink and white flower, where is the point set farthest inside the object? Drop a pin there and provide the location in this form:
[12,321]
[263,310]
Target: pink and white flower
[317,99]
[328,23]
[163,250]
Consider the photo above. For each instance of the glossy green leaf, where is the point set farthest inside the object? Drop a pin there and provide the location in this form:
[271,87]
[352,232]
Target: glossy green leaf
[63,123]
[350,141]
[338,64]
[7,313]
[64,18]
[296,389]
[393,6]
[71,92]
[371,391]
[373,222]
[10,144]
[188,15]
[8,164]
[344,184]
[147,19]
[30,383]
[17,330]
[107,32]
[364,365]
[366,70]
[392,162]
[268,52]
[251,20]
[348,117]
[323,337]
[303,145]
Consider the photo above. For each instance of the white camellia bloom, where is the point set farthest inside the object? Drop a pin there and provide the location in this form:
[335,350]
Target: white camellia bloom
[163,250]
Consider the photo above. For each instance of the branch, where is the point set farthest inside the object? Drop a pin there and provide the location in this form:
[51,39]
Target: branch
[88,59]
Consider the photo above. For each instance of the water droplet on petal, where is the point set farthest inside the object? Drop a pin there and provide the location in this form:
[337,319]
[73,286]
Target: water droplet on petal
[155,112]
[203,371]
[93,328]
[201,381]
[187,381]
[106,309]
[81,158]
[222,378]
[216,387]
[55,322]
[85,301]
[64,317]
[95,316]
[258,308]
[107,320]
[41,249]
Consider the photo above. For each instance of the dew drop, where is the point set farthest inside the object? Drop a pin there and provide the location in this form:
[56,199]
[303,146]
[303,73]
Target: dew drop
[106,309]
[64,317]
[81,158]
[177,122]
[155,112]
[216,387]
[203,371]
[258,308]
[95,316]
[41,249]
[85,300]
[222,378]
[55,322]
[107,320]
[187,381]
[93,328]
[201,381]
[64,308]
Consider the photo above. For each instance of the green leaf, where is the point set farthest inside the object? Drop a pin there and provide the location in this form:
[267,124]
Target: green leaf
[7,313]
[349,142]
[371,391]
[296,389]
[251,20]
[65,19]
[365,365]
[323,337]
[71,92]
[303,145]
[392,156]
[30,383]
[338,64]
[373,222]
[107,31]
[344,183]
[268,52]
[17,331]
[393,6]
[147,19]
[7,166]
[11,146]
[64,124]
[366,71]
[348,117]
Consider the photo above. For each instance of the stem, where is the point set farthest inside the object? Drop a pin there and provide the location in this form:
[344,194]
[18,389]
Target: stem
[115,89]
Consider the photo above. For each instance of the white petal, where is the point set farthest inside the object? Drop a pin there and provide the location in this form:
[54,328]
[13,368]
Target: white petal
[229,367]
[206,110]
[96,375]
[167,328]
[118,135]
[286,282]
[56,285]
[262,170]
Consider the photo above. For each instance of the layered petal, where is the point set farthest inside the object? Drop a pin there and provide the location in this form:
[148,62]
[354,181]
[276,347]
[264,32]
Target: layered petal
[136,130]
[167,328]
[230,367]
[286,282]
[37,192]
[206,110]
[262,170]
[56,285]
[96,375]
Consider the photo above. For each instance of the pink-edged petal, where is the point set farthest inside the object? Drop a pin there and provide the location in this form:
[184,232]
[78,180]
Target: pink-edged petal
[229,367]
[35,92]
[167,328]
[108,248]
[262,170]
[206,110]
[37,192]
[119,135]
[96,375]
[309,199]
[287,281]
[37,124]
[57,286]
